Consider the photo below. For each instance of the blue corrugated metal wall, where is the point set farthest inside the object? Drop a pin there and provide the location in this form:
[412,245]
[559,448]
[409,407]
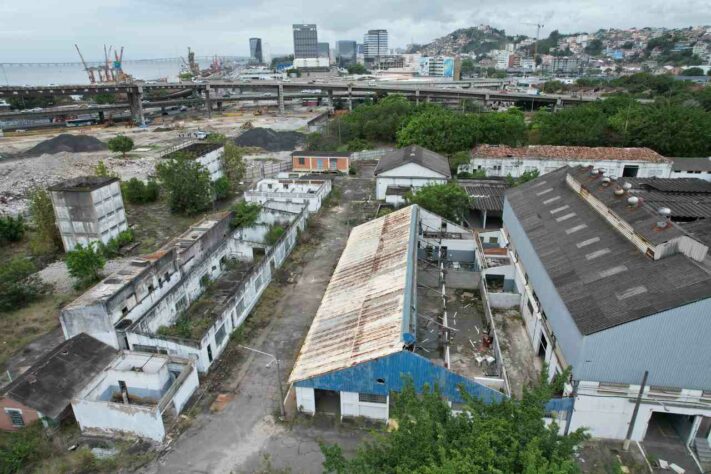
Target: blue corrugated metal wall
[565,330]
[363,378]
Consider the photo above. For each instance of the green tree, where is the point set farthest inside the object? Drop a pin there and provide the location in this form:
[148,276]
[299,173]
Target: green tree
[693,71]
[19,284]
[187,184]
[447,200]
[233,164]
[585,125]
[45,238]
[216,138]
[121,144]
[468,67]
[24,103]
[102,170]
[221,188]
[669,129]
[357,68]
[136,191]
[441,131]
[12,229]
[594,47]
[105,98]
[457,159]
[245,214]
[506,128]
[506,437]
[85,263]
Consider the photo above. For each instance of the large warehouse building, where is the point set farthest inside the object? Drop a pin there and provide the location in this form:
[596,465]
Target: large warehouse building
[613,288]
[367,337]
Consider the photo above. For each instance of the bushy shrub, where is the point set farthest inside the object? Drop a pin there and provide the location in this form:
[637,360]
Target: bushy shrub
[136,191]
[19,285]
[221,187]
[12,229]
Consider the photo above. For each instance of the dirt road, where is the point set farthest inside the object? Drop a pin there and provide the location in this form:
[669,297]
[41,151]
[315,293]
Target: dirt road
[244,436]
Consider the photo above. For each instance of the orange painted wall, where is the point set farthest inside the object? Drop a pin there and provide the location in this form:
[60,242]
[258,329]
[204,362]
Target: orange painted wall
[28,414]
[311,163]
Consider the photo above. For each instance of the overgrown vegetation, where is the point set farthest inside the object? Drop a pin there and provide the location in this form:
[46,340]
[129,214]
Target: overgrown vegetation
[525,177]
[506,437]
[233,164]
[102,170]
[45,238]
[245,214]
[448,200]
[85,263]
[111,249]
[19,284]
[187,184]
[12,229]
[221,188]
[274,234]
[135,191]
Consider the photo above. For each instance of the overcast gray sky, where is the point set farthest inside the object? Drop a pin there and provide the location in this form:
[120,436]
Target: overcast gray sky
[45,30]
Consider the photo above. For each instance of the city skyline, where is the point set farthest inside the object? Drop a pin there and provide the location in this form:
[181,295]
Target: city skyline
[217,27]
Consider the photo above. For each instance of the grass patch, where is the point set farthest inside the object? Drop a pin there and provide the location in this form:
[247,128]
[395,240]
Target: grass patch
[23,326]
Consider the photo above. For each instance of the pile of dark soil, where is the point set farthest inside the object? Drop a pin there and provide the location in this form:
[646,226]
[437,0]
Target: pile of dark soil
[66,142]
[270,140]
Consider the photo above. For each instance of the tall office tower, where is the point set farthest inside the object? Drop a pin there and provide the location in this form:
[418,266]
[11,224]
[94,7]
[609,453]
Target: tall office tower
[305,41]
[323,50]
[255,51]
[375,44]
[346,52]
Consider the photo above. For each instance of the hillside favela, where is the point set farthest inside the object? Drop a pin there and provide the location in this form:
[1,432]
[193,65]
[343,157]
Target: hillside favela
[324,237]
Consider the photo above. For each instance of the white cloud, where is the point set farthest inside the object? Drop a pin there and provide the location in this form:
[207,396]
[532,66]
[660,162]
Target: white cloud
[43,30]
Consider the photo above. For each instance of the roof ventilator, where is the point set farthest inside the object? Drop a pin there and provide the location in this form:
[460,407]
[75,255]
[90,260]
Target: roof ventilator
[664,212]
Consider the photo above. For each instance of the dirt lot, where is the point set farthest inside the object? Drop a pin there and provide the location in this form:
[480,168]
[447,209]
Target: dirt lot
[18,176]
[239,432]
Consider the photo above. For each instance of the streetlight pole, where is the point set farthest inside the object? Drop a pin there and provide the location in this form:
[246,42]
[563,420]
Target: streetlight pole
[278,373]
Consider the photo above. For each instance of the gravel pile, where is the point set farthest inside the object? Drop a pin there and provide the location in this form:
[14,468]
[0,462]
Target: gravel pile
[66,143]
[270,140]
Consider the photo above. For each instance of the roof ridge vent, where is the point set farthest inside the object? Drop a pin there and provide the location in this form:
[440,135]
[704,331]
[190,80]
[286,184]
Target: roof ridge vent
[606,181]
[633,201]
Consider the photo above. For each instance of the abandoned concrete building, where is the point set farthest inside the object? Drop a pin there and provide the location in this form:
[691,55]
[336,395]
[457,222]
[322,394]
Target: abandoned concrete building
[188,297]
[611,287]
[209,155]
[45,390]
[503,160]
[88,209]
[407,169]
[389,312]
[291,191]
[136,394]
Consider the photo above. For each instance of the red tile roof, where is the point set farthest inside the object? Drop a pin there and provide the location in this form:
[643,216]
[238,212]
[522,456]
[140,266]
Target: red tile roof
[552,152]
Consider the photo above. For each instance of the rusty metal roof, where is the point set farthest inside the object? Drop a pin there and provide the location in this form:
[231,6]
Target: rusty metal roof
[365,305]
[576,153]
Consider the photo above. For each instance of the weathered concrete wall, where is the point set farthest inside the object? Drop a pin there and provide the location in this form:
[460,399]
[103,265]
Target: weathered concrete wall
[109,419]
[352,407]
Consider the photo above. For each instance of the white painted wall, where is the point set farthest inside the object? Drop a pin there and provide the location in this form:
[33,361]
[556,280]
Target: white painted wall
[705,175]
[516,166]
[213,163]
[352,407]
[102,418]
[410,174]
[305,400]
[186,390]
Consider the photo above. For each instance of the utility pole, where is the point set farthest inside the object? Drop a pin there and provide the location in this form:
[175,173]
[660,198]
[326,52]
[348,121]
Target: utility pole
[535,45]
[278,374]
[626,444]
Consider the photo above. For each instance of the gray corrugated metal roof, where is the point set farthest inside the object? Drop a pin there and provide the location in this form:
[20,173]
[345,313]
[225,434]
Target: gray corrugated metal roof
[487,195]
[671,185]
[414,154]
[362,312]
[691,164]
[51,383]
[602,278]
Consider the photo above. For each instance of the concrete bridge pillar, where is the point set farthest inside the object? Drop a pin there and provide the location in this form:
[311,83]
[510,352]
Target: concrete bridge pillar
[208,102]
[486,99]
[350,98]
[558,105]
[280,94]
[417,97]
[135,97]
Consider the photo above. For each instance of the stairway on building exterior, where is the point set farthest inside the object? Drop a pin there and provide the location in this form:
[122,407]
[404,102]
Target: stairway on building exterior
[703,452]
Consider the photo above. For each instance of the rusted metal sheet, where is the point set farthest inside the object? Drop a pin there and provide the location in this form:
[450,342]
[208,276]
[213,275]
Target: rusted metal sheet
[361,314]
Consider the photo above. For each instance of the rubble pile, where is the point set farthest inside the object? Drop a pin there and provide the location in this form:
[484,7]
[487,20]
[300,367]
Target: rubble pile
[67,143]
[270,140]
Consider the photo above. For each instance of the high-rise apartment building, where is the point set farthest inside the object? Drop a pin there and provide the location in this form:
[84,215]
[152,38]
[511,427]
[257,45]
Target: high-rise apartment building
[375,44]
[346,52]
[255,51]
[305,41]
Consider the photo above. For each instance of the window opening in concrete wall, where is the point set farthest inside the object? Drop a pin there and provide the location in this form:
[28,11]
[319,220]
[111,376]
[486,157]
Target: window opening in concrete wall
[15,417]
[372,398]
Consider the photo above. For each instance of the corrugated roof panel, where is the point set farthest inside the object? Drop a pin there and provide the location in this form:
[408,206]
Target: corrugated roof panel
[361,314]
